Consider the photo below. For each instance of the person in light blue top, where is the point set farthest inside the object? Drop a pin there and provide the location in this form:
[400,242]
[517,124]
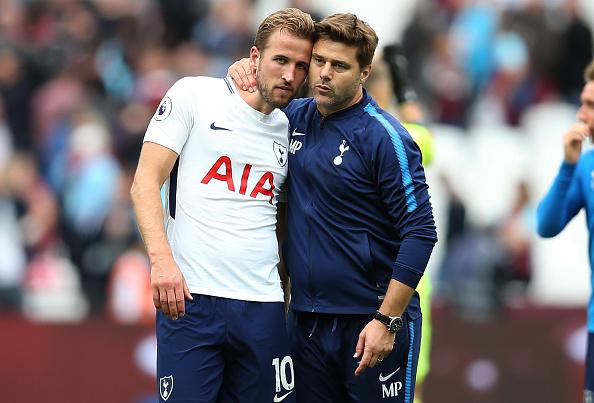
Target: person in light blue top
[572,190]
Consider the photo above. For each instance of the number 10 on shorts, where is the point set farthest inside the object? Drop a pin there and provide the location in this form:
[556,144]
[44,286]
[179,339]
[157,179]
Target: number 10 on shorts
[280,367]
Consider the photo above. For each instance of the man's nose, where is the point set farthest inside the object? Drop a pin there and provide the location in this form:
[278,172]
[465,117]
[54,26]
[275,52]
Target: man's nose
[289,74]
[325,71]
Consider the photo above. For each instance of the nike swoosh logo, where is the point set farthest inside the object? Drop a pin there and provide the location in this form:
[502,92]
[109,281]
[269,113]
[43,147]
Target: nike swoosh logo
[296,133]
[280,398]
[213,127]
[385,378]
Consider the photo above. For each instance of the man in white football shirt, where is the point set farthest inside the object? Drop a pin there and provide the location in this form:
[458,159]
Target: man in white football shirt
[222,155]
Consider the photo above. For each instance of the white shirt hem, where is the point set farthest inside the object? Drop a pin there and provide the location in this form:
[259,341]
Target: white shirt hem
[237,295]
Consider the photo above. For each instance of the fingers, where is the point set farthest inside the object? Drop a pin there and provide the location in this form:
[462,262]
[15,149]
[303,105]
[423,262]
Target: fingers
[360,345]
[369,360]
[247,84]
[156,300]
[243,75]
[573,139]
[172,300]
[187,293]
[578,131]
[252,80]
[172,304]
[364,363]
[235,72]
[180,302]
[163,301]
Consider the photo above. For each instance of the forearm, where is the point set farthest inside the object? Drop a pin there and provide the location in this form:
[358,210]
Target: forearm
[146,198]
[553,211]
[396,299]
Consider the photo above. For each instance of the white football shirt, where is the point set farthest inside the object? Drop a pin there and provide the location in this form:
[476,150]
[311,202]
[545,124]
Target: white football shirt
[220,214]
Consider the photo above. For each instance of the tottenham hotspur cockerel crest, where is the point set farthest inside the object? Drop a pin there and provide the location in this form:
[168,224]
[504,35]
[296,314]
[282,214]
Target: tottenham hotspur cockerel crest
[166,387]
[280,151]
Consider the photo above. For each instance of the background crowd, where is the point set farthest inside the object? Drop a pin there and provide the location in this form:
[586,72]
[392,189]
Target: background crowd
[80,80]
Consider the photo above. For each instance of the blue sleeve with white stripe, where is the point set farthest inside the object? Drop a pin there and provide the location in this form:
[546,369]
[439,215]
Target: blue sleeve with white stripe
[562,202]
[404,193]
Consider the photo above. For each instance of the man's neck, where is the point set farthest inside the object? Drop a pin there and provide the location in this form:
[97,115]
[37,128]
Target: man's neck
[255,100]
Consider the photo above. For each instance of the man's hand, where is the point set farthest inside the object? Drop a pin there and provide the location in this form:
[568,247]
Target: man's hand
[572,141]
[244,74]
[375,343]
[169,287]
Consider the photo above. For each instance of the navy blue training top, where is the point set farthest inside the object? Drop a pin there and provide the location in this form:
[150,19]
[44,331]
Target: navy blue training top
[359,212]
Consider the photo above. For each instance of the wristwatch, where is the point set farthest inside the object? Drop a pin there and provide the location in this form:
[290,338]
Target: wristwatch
[393,323]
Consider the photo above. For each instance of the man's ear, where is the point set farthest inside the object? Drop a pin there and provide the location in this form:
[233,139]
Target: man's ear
[254,57]
[365,72]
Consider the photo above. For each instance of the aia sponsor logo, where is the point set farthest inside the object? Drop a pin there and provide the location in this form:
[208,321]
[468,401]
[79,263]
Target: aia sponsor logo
[222,170]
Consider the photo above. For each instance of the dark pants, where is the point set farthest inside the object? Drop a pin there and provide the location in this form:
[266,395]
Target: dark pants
[322,347]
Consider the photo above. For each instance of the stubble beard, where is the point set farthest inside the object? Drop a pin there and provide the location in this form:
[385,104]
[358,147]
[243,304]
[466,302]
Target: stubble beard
[334,102]
[266,93]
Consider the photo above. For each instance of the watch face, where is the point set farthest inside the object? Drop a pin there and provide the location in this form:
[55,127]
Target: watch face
[395,325]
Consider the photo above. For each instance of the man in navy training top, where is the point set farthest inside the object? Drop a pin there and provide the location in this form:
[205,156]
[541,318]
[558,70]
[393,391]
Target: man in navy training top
[360,229]
[570,192]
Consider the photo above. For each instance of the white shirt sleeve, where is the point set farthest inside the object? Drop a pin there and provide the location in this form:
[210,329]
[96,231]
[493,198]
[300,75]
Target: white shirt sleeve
[172,122]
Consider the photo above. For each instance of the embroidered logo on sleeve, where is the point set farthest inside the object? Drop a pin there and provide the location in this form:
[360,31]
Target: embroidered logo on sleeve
[164,109]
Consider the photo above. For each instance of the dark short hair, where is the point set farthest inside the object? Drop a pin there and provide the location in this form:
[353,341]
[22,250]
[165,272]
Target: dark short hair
[348,29]
[291,20]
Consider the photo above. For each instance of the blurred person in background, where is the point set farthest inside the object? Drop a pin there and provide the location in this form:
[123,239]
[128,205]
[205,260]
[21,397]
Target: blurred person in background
[571,191]
[389,84]
[513,237]
[213,250]
[575,43]
[357,204]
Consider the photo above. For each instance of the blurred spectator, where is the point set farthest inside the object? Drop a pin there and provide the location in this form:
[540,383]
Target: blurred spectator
[225,33]
[88,194]
[130,297]
[17,82]
[451,92]
[52,290]
[36,205]
[12,250]
[6,148]
[455,229]
[471,39]
[179,18]
[575,52]
[514,237]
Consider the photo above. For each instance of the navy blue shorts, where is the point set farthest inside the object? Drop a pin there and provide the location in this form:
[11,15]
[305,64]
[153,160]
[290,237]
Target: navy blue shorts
[322,346]
[225,350]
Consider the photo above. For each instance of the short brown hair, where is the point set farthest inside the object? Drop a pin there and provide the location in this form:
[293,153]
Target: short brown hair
[291,20]
[348,29]
[589,72]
